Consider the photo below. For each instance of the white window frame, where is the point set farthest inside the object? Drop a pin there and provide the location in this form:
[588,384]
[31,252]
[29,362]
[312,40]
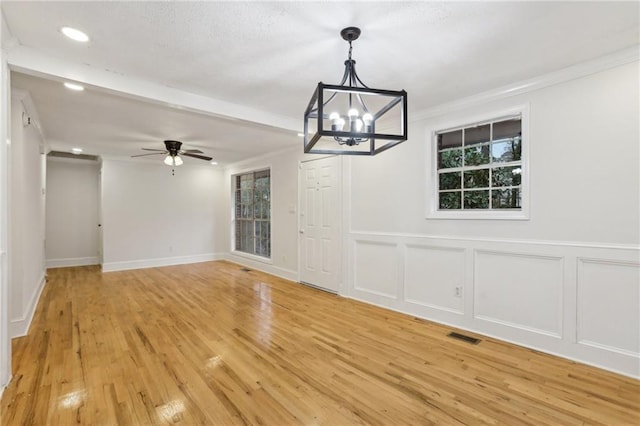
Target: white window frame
[251,256]
[432,208]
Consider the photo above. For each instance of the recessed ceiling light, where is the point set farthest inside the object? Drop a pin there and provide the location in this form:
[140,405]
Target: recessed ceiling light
[76,150]
[301,135]
[75,34]
[214,163]
[73,86]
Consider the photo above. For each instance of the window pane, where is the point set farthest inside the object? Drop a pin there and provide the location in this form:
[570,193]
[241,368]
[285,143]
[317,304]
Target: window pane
[450,158]
[506,150]
[246,181]
[450,139]
[246,196]
[450,180]
[256,229]
[476,135]
[507,129]
[247,211]
[507,176]
[476,155]
[450,200]
[252,210]
[476,178]
[506,198]
[238,208]
[476,199]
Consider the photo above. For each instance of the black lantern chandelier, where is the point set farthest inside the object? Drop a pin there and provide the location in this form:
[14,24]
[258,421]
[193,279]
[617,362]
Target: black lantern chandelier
[352,119]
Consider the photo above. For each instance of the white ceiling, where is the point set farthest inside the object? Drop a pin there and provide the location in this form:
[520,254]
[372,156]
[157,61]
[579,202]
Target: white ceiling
[268,56]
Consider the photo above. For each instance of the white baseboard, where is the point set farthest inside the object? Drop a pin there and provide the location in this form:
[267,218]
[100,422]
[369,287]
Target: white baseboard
[20,326]
[154,263]
[74,261]
[4,386]
[287,274]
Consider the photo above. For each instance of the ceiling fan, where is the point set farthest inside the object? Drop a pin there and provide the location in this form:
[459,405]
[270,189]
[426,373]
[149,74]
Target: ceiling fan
[173,152]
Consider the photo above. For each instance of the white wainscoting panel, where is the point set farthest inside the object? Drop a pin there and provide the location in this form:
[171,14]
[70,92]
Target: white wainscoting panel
[608,303]
[519,290]
[376,268]
[432,275]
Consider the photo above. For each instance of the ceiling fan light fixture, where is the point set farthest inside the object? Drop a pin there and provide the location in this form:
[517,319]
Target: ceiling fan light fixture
[173,160]
[351,118]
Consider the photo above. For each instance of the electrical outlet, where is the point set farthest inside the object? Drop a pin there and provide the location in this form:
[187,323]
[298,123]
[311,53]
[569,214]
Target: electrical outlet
[458,291]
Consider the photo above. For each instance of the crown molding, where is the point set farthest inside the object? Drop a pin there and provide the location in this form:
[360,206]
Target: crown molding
[616,59]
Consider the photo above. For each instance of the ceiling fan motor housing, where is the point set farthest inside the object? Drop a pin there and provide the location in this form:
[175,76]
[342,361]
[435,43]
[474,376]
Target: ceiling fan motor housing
[173,147]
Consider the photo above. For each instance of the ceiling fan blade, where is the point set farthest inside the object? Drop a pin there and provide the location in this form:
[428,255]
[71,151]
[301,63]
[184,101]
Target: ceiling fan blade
[202,157]
[143,155]
[150,149]
[191,151]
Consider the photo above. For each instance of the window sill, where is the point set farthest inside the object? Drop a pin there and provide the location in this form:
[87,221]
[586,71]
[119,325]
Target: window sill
[480,215]
[252,257]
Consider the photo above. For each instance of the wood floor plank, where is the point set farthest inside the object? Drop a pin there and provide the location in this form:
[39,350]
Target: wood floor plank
[211,344]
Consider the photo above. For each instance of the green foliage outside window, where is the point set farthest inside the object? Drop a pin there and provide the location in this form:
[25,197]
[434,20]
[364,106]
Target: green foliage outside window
[480,167]
[253,213]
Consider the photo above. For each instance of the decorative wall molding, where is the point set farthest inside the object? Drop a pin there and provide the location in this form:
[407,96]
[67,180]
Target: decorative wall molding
[76,261]
[394,236]
[19,327]
[583,69]
[435,281]
[376,278]
[518,287]
[542,313]
[608,305]
[155,263]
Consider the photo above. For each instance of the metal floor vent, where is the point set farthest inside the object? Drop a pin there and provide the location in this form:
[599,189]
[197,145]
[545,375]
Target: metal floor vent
[464,338]
[245,269]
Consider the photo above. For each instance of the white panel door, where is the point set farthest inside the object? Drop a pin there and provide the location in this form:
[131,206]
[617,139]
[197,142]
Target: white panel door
[319,223]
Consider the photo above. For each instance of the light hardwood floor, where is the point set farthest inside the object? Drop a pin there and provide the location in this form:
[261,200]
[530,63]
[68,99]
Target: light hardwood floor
[210,344]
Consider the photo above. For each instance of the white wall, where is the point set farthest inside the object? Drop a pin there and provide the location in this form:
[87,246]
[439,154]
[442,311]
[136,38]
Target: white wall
[284,207]
[27,203]
[72,212]
[566,281]
[582,144]
[151,218]
[5,123]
